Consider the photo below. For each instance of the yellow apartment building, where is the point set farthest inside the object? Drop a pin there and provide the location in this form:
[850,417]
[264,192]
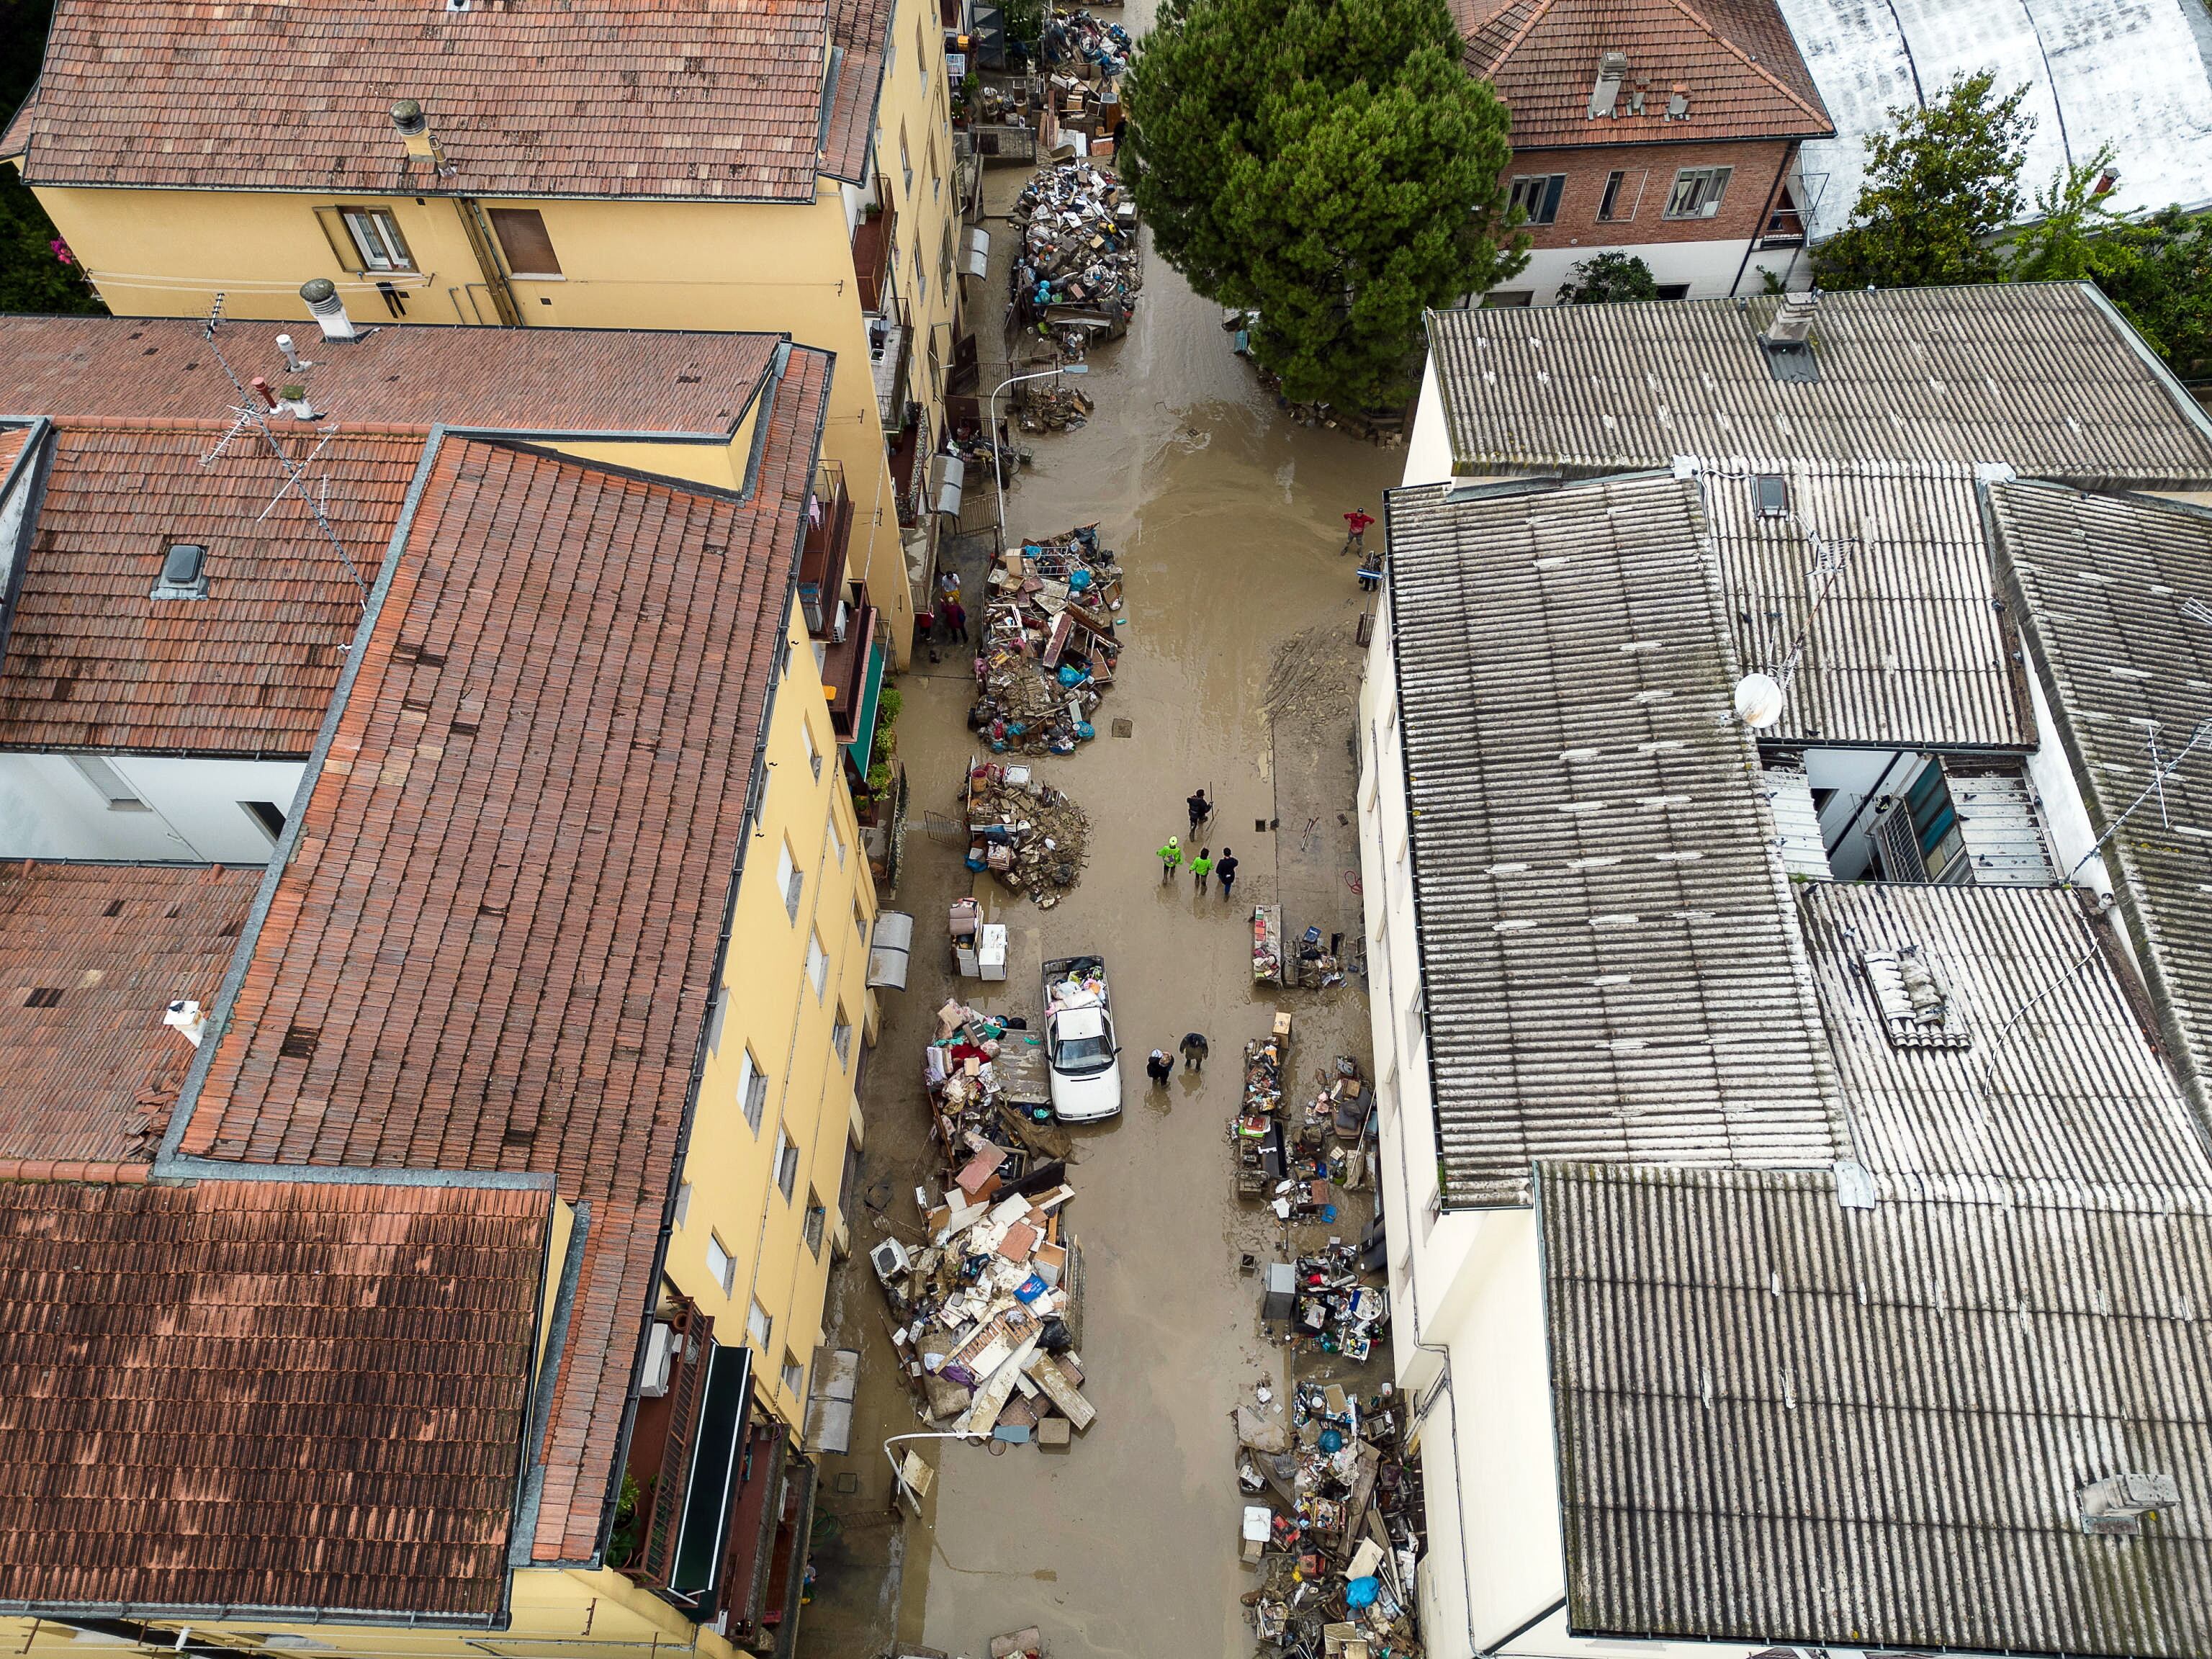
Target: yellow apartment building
[739,166]
[423,834]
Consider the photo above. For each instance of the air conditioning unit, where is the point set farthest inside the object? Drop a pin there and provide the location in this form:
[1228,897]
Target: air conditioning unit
[659,1356]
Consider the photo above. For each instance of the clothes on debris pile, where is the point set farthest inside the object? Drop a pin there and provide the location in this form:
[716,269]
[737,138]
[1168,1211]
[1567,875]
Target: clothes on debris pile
[1318,965]
[1047,650]
[1338,1505]
[1028,833]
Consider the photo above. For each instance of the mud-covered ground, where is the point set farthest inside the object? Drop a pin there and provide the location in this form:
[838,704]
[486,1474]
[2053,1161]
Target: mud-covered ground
[1226,516]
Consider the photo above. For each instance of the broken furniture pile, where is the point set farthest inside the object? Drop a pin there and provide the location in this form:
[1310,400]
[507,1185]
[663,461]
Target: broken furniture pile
[1048,648]
[1100,47]
[987,1080]
[1076,275]
[1025,832]
[1256,1131]
[1296,1160]
[1333,1308]
[1332,1521]
[987,1313]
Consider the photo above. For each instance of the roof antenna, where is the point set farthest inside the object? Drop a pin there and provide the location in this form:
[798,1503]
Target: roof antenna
[248,411]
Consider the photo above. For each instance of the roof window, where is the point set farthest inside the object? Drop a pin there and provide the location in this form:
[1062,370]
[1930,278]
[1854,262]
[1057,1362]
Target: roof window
[184,573]
[1770,494]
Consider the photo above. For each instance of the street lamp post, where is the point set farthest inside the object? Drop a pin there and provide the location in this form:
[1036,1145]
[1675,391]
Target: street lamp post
[898,1475]
[991,405]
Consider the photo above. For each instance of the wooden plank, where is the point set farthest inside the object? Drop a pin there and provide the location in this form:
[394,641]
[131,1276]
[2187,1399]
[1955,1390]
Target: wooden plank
[1057,1388]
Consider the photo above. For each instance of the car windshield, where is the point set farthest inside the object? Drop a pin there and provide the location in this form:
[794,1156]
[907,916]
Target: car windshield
[1086,1043]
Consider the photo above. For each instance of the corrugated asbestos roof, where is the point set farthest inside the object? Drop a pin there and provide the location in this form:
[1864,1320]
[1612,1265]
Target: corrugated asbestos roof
[1611,968]
[1910,646]
[717,99]
[263,1393]
[2040,376]
[90,955]
[2059,1084]
[1734,59]
[93,661]
[1780,1419]
[2115,596]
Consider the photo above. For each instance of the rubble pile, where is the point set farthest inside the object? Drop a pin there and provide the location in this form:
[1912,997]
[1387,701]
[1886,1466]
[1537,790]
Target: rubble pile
[1055,408]
[1083,39]
[1047,650]
[1335,1528]
[987,1082]
[1028,833]
[1078,270]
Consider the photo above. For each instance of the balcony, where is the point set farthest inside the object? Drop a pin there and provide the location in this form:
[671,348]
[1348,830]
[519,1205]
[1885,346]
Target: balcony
[852,679]
[890,344]
[1785,226]
[829,539]
[871,249]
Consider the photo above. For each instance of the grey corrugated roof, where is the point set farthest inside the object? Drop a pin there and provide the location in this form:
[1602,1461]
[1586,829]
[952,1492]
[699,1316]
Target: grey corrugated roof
[2106,587]
[2041,376]
[1909,647]
[2060,1084]
[1611,966]
[1781,1421]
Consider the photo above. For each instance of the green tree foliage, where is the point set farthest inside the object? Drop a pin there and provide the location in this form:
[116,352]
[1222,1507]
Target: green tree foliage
[34,275]
[1608,277]
[1329,164]
[1940,183]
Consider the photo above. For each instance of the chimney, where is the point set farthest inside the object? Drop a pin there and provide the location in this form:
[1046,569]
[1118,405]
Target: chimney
[291,353]
[415,131]
[2117,1504]
[1611,70]
[188,1018]
[322,297]
[1793,321]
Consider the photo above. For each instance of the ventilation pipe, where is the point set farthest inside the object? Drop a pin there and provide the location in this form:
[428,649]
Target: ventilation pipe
[291,353]
[188,1018]
[1611,70]
[415,132]
[330,312]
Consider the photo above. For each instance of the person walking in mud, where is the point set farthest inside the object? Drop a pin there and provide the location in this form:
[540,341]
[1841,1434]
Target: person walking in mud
[1225,872]
[1194,1050]
[1200,868]
[1355,532]
[955,617]
[1159,1068]
[1170,860]
[1200,810]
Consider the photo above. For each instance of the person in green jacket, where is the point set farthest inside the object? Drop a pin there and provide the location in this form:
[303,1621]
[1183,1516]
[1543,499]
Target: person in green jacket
[1200,867]
[1171,859]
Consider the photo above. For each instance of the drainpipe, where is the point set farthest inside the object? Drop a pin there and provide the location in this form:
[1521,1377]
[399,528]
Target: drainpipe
[478,230]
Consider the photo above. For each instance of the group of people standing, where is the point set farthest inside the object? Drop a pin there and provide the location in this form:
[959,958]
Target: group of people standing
[1203,864]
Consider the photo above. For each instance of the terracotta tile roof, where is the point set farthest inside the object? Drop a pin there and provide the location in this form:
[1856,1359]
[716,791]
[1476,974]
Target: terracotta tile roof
[1734,59]
[372,1344]
[12,439]
[90,954]
[93,661]
[522,379]
[541,775]
[862,28]
[720,99]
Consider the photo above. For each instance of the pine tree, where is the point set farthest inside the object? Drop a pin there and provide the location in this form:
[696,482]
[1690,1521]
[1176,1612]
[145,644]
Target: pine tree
[1329,164]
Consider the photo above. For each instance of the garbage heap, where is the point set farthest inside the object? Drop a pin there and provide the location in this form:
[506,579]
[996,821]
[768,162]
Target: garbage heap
[1332,1521]
[988,1312]
[1047,649]
[1334,1309]
[1028,833]
[1077,272]
[1083,39]
[1256,1131]
[987,1080]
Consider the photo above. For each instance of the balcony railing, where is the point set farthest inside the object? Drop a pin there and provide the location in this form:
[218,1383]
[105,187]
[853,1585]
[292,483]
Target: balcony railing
[890,346]
[828,540]
[871,248]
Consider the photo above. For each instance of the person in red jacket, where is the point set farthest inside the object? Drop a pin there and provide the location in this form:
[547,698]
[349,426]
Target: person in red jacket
[1355,530]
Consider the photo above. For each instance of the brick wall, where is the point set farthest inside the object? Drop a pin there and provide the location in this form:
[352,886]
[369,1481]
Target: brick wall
[1757,164]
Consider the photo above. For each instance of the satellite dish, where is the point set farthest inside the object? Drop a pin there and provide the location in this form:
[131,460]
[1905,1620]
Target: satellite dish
[1759,700]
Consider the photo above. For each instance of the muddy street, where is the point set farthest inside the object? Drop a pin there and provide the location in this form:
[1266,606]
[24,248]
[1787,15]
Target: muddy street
[1226,515]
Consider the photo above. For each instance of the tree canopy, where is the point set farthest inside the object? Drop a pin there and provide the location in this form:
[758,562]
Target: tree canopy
[1329,164]
[1607,277]
[34,276]
[1942,183]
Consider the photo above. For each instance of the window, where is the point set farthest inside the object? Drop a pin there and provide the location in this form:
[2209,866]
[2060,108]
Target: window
[267,814]
[184,573]
[1622,198]
[1697,193]
[789,880]
[906,160]
[720,1264]
[890,57]
[817,964]
[936,184]
[817,1219]
[1674,290]
[119,795]
[1508,298]
[921,48]
[377,240]
[837,842]
[758,1324]
[794,1375]
[921,278]
[1770,493]
[522,238]
[813,754]
[752,1091]
[683,1203]
[860,922]
[1537,195]
[840,1037]
[786,1160]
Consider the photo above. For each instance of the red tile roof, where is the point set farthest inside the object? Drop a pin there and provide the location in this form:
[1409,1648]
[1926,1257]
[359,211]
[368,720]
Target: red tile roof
[496,945]
[12,439]
[713,99]
[518,379]
[862,28]
[264,1393]
[1735,58]
[90,955]
[93,661]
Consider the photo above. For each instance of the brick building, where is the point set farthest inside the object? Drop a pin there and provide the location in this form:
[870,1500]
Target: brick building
[1653,128]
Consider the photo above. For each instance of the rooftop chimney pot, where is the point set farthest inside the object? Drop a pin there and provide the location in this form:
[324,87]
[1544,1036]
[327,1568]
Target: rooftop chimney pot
[1612,68]
[330,312]
[407,115]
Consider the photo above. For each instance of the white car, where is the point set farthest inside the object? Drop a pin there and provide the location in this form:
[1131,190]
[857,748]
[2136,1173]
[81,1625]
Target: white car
[1079,1040]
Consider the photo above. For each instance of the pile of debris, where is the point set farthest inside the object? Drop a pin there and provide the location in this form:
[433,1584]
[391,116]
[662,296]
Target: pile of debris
[987,1080]
[986,1315]
[1055,408]
[1102,47]
[1047,649]
[1336,1532]
[1025,832]
[1300,1163]
[1078,271]
[1333,1308]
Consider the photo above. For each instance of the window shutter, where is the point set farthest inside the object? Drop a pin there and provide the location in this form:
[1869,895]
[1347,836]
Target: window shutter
[341,240]
[522,239]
